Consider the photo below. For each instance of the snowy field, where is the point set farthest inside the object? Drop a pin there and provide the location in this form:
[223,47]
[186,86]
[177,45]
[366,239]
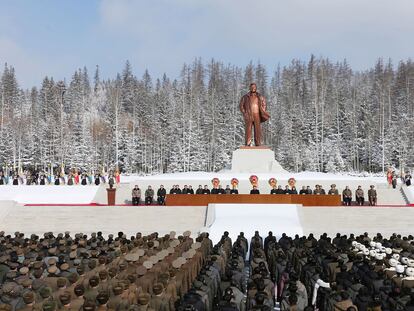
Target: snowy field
[49,194]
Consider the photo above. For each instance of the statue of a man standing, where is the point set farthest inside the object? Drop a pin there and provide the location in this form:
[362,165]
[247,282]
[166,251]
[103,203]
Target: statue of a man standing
[253,108]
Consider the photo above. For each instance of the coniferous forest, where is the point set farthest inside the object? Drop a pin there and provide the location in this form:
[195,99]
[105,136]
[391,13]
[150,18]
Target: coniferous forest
[325,117]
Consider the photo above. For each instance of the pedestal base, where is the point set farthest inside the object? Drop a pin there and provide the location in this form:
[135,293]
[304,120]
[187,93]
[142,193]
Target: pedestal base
[255,160]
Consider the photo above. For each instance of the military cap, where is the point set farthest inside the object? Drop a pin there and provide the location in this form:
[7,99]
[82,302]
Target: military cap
[8,287]
[132,257]
[52,269]
[113,271]
[26,282]
[61,282]
[52,250]
[93,281]
[89,306]
[103,274]
[28,297]
[24,270]
[153,259]
[147,264]
[144,299]
[64,266]
[79,290]
[49,305]
[4,258]
[102,298]
[176,263]
[198,284]
[11,275]
[158,288]
[141,270]
[118,289]
[37,264]
[186,233]
[73,277]
[51,261]
[45,292]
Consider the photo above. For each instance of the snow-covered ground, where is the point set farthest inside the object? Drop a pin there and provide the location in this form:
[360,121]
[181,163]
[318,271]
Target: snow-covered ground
[48,194]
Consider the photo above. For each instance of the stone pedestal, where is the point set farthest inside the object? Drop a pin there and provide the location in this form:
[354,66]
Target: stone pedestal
[255,160]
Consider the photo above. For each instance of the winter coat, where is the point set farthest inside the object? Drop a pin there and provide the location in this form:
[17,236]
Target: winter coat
[149,193]
[161,192]
[136,193]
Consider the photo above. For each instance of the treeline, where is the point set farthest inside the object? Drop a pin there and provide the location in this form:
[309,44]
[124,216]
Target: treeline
[324,117]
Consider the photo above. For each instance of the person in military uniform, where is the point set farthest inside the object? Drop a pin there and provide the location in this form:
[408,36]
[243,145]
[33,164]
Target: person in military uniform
[333,190]
[149,196]
[372,196]
[136,195]
[359,196]
[161,194]
[347,196]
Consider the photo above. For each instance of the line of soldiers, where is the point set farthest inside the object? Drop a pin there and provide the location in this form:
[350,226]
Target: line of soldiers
[93,273]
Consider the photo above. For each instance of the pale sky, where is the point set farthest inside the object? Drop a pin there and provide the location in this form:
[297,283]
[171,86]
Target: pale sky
[55,38]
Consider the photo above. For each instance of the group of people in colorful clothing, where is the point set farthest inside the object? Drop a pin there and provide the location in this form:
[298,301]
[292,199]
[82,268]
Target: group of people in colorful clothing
[70,178]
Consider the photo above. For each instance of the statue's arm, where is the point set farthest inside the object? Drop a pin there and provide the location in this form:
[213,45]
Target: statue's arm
[264,103]
[241,105]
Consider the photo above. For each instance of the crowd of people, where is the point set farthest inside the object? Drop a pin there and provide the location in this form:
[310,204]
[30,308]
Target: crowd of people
[150,198]
[70,178]
[167,273]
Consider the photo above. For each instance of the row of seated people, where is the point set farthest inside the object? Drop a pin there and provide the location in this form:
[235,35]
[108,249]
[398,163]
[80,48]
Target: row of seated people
[306,190]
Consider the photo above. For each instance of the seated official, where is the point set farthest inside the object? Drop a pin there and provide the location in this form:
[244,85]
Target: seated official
[287,190]
[347,196]
[221,190]
[185,190]
[372,196]
[199,190]
[359,196]
[227,190]
[161,193]
[273,190]
[149,196]
[308,190]
[175,190]
[303,190]
[234,190]
[206,190]
[136,195]
[333,190]
[280,190]
[215,190]
[254,190]
[318,190]
[190,190]
[293,190]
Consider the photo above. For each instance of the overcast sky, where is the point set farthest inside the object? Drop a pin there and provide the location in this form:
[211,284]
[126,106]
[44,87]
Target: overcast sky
[56,37]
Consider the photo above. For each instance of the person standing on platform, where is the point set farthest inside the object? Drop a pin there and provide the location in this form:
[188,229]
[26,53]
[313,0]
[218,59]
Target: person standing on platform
[333,190]
[372,196]
[394,181]
[408,179]
[206,190]
[111,181]
[149,196]
[97,180]
[347,196]
[254,190]
[161,193]
[190,190]
[136,195]
[359,196]
[199,190]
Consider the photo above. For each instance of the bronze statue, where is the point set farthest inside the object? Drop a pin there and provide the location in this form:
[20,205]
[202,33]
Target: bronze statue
[253,108]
